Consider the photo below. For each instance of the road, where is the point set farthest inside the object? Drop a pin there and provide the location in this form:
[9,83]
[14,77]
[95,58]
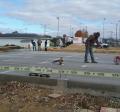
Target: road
[71,61]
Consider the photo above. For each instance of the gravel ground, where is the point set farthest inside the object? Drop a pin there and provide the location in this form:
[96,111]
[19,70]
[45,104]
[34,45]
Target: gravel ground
[25,97]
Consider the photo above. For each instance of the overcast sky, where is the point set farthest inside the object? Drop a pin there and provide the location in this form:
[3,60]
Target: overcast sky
[33,15]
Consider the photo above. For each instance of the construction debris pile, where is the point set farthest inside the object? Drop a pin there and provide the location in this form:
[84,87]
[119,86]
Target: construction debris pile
[25,97]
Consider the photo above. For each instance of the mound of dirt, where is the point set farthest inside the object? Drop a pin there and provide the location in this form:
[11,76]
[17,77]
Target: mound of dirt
[9,47]
[26,97]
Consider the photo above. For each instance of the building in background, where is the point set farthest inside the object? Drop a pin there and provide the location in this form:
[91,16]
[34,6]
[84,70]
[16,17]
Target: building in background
[80,37]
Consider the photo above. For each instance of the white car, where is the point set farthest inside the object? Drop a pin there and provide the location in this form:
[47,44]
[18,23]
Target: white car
[104,45]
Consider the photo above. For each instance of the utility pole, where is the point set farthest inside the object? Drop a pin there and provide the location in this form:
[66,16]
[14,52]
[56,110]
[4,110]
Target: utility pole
[104,28]
[119,29]
[45,29]
[111,34]
[70,30]
[116,33]
[58,26]
[44,26]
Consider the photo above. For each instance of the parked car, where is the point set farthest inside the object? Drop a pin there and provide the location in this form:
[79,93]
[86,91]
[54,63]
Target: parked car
[104,45]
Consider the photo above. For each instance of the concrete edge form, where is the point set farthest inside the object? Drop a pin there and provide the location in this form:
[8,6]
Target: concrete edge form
[66,86]
[37,80]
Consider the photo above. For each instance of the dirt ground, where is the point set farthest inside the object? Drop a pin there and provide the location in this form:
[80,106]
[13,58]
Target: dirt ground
[81,48]
[9,47]
[25,97]
[71,48]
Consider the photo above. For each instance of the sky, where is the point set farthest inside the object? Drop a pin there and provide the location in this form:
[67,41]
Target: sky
[41,16]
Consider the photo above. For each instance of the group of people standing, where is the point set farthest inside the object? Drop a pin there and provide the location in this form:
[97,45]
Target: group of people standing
[88,46]
[38,45]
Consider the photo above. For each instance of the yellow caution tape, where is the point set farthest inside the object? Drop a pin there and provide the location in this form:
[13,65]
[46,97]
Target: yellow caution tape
[45,70]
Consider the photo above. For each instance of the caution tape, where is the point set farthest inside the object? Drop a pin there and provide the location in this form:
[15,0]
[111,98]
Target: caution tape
[45,70]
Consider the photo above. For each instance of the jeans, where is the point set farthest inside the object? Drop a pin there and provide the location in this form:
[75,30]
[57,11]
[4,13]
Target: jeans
[89,49]
[39,47]
[34,48]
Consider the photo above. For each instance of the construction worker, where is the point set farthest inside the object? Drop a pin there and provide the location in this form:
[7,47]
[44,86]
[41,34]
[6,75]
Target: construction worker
[92,39]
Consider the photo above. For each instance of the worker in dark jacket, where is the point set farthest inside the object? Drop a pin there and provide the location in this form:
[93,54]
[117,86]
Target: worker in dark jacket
[45,45]
[33,44]
[92,39]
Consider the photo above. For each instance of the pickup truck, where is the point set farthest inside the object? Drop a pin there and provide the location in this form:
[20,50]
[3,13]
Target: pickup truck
[104,45]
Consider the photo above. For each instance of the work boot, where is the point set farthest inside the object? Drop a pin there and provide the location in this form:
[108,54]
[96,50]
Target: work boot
[86,61]
[94,62]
